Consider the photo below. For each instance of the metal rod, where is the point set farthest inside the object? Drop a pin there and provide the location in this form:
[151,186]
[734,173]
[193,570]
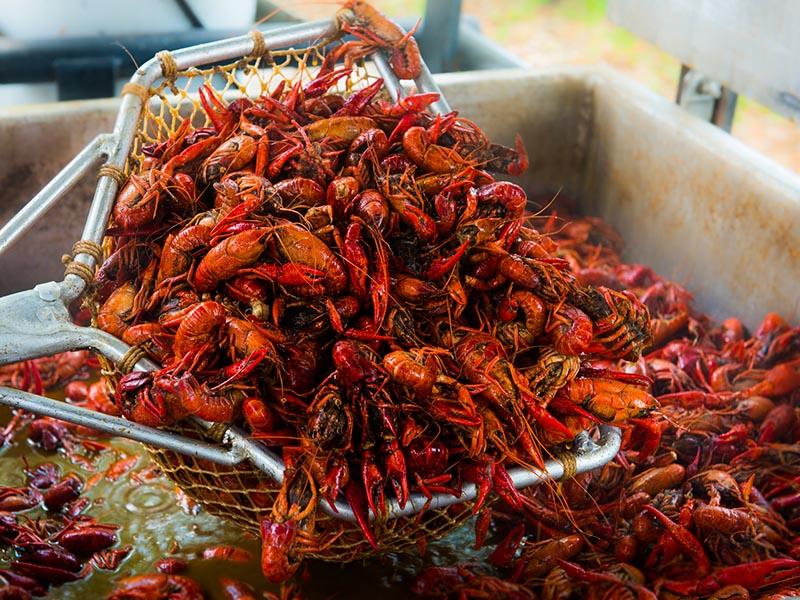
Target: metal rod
[438,35]
[588,456]
[425,83]
[261,457]
[243,45]
[117,426]
[479,52]
[53,191]
[390,80]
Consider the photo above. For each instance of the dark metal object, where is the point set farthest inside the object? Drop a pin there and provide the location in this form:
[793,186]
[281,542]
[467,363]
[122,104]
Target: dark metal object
[476,52]
[706,98]
[89,67]
[188,13]
[438,34]
[90,77]
[34,61]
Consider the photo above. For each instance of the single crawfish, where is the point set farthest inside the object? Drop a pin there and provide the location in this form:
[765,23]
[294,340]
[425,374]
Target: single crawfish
[139,201]
[471,141]
[198,332]
[545,277]
[87,538]
[300,246]
[365,152]
[233,154]
[406,202]
[230,256]
[152,337]
[18,499]
[485,363]
[420,146]
[339,131]
[379,435]
[117,311]
[539,558]
[551,372]
[613,397]
[534,312]
[657,479]
[570,329]
[289,530]
[373,30]
[621,322]
[157,585]
[779,380]
[176,256]
[412,370]
[330,423]
[330,432]
[751,576]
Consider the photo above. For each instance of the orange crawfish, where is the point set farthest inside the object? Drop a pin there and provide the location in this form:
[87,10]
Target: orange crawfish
[374,30]
[157,586]
[613,397]
[230,256]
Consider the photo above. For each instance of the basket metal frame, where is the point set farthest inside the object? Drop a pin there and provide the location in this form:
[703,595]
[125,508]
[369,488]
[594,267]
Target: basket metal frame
[36,322]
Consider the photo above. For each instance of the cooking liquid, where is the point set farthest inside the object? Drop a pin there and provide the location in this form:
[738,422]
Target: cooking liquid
[154,523]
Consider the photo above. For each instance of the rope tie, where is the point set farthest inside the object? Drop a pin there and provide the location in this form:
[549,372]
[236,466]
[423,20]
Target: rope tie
[570,462]
[129,360]
[74,267]
[109,170]
[260,46]
[106,369]
[217,431]
[89,247]
[169,68]
[137,90]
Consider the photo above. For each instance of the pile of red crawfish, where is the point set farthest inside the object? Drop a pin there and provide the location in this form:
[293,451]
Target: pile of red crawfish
[706,504]
[344,277]
[345,273]
[702,501]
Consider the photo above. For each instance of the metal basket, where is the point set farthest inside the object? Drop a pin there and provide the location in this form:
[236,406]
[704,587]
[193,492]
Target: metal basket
[231,475]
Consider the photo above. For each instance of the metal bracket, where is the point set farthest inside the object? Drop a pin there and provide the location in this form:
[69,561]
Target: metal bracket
[36,323]
[706,98]
[438,34]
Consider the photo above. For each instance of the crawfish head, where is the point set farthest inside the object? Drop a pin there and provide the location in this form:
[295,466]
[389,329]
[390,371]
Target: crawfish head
[331,425]
[44,475]
[145,401]
[353,363]
[277,545]
[47,433]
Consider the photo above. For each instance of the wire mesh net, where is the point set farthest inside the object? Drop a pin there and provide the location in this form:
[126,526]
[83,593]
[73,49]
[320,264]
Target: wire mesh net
[244,494]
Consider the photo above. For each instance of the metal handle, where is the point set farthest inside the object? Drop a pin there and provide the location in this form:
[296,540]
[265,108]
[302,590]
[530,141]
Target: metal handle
[587,454]
[54,190]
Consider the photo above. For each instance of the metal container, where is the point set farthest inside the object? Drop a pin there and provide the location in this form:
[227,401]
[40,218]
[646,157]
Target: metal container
[688,199]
